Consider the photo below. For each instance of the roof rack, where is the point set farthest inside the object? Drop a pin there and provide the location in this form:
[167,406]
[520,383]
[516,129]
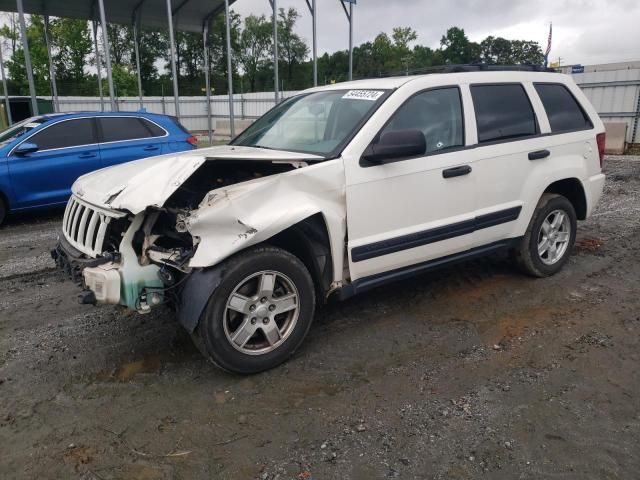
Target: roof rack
[482,67]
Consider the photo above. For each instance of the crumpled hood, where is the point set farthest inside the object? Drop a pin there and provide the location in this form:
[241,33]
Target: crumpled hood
[136,185]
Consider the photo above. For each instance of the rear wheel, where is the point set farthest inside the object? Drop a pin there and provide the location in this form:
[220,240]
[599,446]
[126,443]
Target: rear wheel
[260,312]
[550,236]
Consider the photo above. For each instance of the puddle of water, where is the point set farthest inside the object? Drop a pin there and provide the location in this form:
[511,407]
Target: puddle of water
[127,371]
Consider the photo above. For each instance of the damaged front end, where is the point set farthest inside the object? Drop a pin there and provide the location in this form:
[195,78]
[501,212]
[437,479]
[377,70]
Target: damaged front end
[159,242]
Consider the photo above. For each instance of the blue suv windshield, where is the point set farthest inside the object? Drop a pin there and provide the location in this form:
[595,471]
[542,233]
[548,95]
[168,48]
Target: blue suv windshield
[17,130]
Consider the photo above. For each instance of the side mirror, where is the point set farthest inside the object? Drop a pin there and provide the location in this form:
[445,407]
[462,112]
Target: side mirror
[396,144]
[25,148]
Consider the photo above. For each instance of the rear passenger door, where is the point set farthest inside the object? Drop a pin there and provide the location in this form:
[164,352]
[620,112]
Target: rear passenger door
[124,139]
[66,150]
[509,156]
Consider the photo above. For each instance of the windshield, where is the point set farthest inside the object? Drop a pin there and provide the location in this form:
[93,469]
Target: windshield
[17,130]
[316,123]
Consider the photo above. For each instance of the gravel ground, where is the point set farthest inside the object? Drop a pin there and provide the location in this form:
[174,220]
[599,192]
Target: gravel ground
[471,372]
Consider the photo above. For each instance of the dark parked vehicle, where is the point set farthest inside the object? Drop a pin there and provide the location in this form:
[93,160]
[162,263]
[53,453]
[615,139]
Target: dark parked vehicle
[42,156]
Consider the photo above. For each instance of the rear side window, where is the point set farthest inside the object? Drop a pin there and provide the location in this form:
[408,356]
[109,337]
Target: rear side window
[70,133]
[503,112]
[154,129]
[116,129]
[563,110]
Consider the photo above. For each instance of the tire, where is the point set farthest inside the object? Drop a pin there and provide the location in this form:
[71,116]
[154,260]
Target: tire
[248,328]
[3,210]
[535,254]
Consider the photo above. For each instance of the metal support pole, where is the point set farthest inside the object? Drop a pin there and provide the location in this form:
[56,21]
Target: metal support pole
[136,41]
[98,63]
[312,9]
[207,81]
[232,126]
[351,41]
[276,85]
[172,49]
[52,68]
[27,58]
[6,90]
[107,54]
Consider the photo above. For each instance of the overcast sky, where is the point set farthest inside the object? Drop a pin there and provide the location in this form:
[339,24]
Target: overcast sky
[584,31]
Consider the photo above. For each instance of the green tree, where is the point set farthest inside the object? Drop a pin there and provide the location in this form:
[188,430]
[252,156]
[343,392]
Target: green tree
[255,44]
[291,48]
[457,49]
[218,50]
[526,52]
[72,43]
[10,31]
[502,51]
[39,60]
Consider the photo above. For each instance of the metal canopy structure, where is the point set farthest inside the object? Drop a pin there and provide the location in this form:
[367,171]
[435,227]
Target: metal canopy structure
[188,15]
[174,15]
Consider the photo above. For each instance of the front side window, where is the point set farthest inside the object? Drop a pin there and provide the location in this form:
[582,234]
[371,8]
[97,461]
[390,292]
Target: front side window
[318,123]
[117,129]
[17,130]
[70,133]
[437,114]
[503,112]
[563,111]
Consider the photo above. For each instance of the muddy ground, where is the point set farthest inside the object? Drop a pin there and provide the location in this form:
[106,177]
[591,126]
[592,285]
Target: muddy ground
[471,372]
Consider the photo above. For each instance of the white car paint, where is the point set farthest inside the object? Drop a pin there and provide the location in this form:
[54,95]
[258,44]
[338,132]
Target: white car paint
[377,203]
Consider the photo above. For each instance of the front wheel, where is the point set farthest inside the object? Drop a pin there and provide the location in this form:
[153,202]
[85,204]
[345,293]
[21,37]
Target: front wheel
[260,312]
[547,244]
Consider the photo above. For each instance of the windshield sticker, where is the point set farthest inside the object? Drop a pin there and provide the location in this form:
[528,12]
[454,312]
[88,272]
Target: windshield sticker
[371,95]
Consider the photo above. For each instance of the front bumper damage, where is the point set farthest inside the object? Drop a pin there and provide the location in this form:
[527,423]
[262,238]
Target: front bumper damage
[114,277]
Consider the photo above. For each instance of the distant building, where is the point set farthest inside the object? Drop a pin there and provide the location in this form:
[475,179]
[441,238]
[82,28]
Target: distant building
[614,91]
[602,67]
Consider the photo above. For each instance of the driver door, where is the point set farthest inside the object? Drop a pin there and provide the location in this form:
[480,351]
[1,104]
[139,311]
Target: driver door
[66,150]
[411,210]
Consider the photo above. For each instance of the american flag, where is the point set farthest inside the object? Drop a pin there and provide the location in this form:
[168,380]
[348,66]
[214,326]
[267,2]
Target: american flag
[546,54]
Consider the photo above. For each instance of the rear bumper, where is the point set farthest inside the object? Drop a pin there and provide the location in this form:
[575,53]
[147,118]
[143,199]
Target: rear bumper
[593,187]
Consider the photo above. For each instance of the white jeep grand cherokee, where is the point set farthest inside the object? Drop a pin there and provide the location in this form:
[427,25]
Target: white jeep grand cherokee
[333,192]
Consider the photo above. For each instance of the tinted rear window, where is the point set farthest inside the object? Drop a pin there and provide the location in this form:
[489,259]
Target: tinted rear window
[562,108]
[503,112]
[70,133]
[116,129]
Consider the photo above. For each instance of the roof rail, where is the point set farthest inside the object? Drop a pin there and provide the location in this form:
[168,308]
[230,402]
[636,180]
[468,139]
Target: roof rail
[483,67]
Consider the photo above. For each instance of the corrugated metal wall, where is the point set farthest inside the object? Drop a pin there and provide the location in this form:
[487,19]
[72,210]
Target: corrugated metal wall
[615,94]
[193,110]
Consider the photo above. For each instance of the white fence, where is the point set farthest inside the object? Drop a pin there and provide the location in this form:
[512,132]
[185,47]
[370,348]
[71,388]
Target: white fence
[193,110]
[615,94]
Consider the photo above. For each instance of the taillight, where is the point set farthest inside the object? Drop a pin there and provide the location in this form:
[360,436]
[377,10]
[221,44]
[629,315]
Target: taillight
[600,138]
[193,140]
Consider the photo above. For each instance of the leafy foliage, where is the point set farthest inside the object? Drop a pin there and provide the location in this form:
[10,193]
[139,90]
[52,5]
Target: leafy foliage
[396,53]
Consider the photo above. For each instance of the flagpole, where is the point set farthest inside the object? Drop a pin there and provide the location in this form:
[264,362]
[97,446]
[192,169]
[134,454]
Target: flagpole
[546,54]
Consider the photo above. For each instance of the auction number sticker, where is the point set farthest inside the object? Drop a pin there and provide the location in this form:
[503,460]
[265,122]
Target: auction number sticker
[371,95]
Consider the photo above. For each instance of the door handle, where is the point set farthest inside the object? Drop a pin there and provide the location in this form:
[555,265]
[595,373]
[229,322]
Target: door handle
[87,155]
[538,155]
[456,171]
[150,148]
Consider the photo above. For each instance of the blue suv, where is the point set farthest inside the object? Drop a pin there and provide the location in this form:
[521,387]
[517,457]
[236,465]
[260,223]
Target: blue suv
[42,156]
